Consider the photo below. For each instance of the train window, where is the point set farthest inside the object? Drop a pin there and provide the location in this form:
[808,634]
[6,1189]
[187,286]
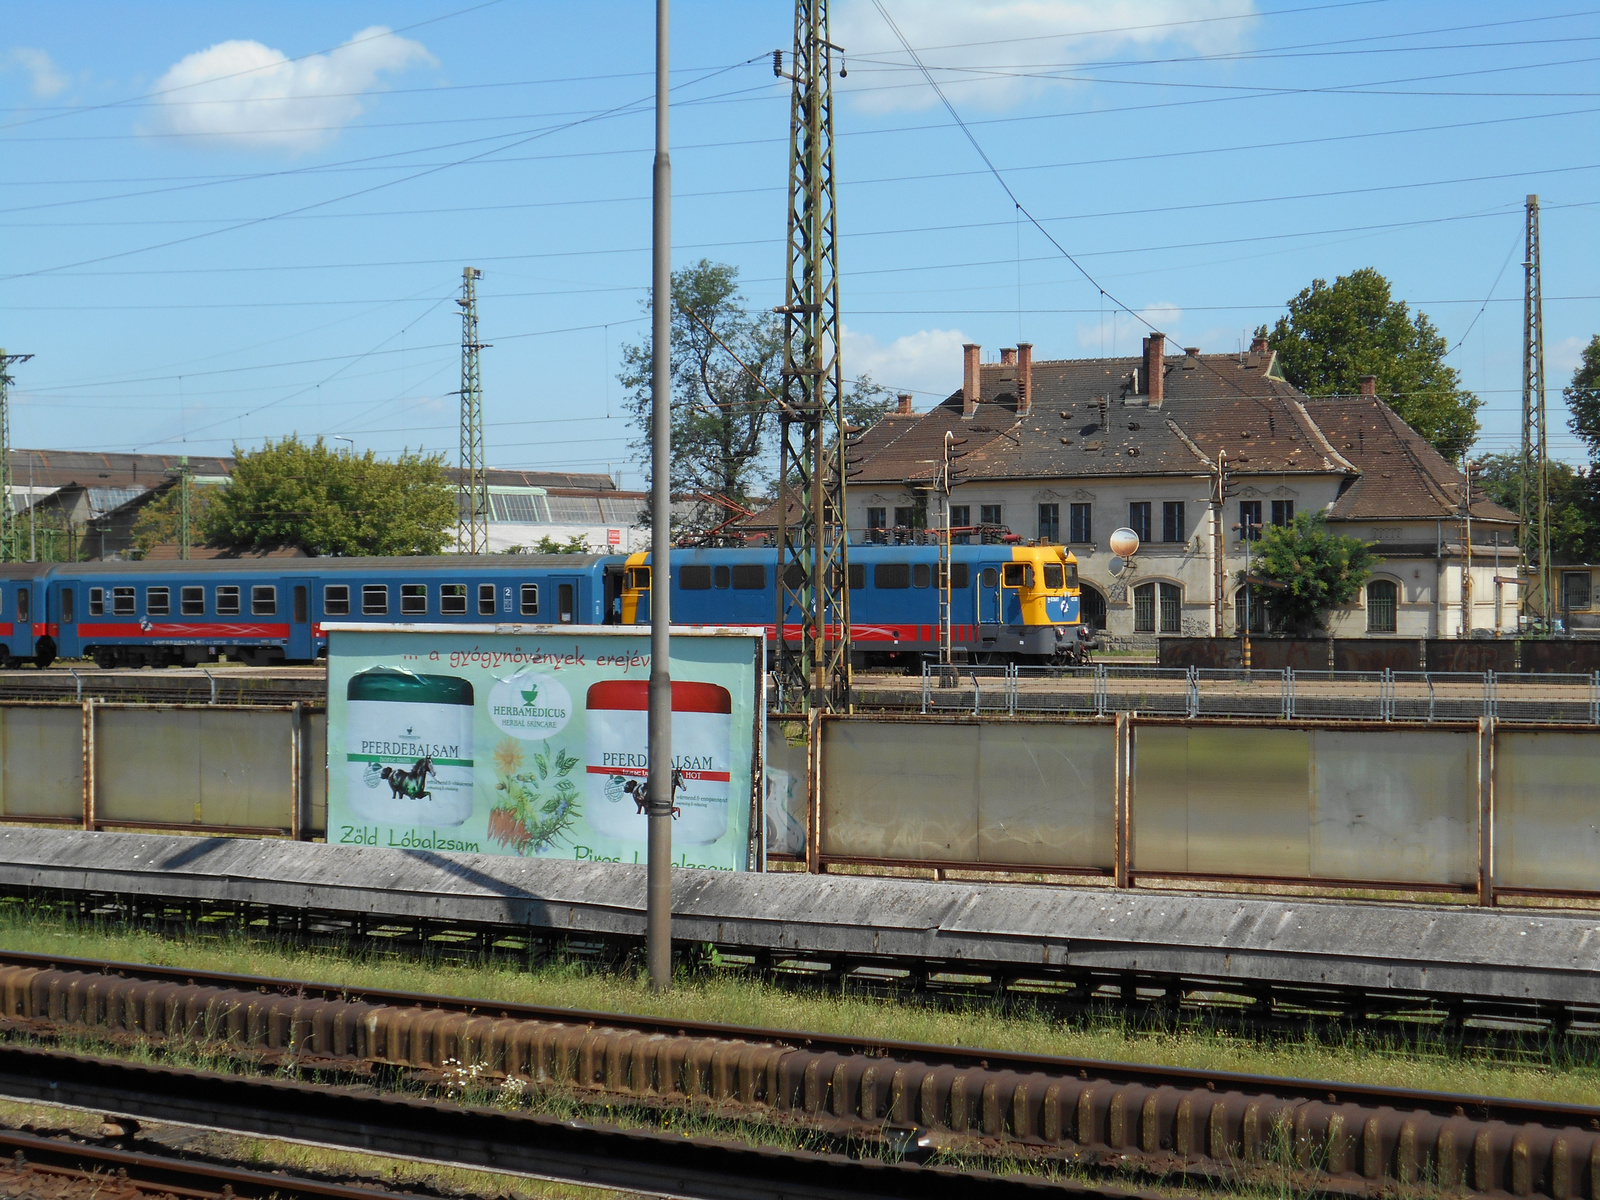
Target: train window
[302,603]
[157,601]
[1072,575]
[375,599]
[793,576]
[639,578]
[960,575]
[1055,576]
[414,599]
[122,602]
[989,578]
[858,576]
[921,575]
[227,601]
[486,599]
[192,601]
[67,617]
[452,599]
[566,604]
[530,599]
[263,599]
[1018,574]
[335,600]
[22,604]
[891,575]
[750,577]
[97,602]
[694,578]
[721,577]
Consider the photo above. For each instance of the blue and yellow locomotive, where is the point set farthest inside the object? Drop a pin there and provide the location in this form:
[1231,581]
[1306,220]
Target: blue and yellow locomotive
[1010,603]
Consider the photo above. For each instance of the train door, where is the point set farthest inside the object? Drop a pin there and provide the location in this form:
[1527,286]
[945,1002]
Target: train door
[568,596]
[63,605]
[301,647]
[988,599]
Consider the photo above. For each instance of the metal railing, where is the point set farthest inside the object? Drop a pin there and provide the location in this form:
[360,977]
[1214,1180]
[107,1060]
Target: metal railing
[1287,694]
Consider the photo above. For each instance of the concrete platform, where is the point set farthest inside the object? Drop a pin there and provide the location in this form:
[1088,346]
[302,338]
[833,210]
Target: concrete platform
[1480,957]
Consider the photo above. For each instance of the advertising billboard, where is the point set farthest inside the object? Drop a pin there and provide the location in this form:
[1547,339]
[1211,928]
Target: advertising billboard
[531,740]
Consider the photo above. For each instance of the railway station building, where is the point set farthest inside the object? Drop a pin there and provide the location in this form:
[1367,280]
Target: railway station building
[1067,450]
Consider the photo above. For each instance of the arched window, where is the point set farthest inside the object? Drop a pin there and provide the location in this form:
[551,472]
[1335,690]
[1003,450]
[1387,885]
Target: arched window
[1092,606]
[1158,607]
[1383,599]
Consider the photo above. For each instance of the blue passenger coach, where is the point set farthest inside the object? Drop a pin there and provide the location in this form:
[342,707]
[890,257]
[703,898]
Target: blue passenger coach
[264,611]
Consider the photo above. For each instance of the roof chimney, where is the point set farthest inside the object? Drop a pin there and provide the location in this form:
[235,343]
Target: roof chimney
[1259,344]
[1024,378]
[1155,376]
[905,402]
[1369,385]
[969,379]
[1008,356]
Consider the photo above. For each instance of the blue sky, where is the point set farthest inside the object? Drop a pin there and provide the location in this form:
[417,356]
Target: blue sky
[221,222]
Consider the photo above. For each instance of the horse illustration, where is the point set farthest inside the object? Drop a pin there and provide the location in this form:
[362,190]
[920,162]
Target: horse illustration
[412,784]
[639,789]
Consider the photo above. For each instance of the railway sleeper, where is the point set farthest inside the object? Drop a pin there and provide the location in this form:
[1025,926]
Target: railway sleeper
[1051,1110]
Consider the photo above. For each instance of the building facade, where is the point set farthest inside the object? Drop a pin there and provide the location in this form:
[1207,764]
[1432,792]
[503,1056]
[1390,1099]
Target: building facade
[1067,451]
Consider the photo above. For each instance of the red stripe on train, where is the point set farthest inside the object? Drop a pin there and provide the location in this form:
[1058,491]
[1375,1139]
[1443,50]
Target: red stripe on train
[133,629]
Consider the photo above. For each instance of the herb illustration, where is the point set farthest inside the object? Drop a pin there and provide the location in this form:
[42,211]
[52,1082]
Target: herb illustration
[533,809]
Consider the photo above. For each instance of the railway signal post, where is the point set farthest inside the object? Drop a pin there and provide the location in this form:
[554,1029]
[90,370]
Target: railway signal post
[8,518]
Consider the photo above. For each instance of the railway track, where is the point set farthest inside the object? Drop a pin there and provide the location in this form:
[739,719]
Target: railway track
[56,1167]
[1101,1116]
[598,1155]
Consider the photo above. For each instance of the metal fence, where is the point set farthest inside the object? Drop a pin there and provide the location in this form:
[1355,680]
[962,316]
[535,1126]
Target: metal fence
[1385,695]
[252,769]
[1467,806]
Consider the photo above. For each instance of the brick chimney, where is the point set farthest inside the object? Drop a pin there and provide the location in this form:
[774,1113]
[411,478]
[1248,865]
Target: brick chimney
[1369,385]
[969,379]
[1259,345]
[1024,378]
[905,403]
[1155,376]
[1008,356]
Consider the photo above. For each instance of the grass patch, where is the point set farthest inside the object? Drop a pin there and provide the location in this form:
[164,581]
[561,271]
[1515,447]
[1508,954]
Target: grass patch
[1540,1068]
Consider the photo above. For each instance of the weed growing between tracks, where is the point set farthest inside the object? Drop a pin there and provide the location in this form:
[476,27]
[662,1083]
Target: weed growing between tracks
[1529,1066]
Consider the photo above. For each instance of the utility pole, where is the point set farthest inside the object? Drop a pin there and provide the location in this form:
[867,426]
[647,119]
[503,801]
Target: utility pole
[185,535]
[472,534]
[8,516]
[658,808]
[1467,467]
[813,552]
[1219,544]
[1534,482]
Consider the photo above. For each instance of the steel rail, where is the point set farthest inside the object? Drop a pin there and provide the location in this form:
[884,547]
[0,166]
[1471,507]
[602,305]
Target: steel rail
[494,1139]
[165,1172]
[1363,1135]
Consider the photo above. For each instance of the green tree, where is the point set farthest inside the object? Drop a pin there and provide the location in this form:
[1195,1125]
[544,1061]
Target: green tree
[1583,399]
[297,494]
[1333,335]
[1318,570]
[549,545]
[159,521]
[1574,511]
[723,420]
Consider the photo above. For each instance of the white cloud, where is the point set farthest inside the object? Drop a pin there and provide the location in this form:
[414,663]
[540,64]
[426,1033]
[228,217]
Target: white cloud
[46,78]
[244,94]
[1561,360]
[989,53]
[927,362]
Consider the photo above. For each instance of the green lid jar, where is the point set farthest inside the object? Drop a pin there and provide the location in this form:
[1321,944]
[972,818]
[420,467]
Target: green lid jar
[408,747]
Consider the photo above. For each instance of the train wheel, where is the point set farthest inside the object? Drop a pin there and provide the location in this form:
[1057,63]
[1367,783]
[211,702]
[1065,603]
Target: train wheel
[44,653]
[105,659]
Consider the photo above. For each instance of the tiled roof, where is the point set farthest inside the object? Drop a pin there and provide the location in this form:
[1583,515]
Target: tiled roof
[1402,475]
[93,469]
[1086,420]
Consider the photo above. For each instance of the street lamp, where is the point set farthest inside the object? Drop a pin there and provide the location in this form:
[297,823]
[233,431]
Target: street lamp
[339,437]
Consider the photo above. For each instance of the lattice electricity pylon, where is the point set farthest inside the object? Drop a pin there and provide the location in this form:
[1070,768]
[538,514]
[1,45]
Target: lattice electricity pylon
[813,544]
[8,516]
[1534,476]
[472,534]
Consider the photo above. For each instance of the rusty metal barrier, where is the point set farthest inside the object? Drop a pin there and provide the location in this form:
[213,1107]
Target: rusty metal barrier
[1357,1138]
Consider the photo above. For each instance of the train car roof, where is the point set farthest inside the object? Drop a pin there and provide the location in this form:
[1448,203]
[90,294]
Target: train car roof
[307,566]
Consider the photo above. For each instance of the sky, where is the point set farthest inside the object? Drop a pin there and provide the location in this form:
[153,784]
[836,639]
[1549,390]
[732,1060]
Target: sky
[225,222]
